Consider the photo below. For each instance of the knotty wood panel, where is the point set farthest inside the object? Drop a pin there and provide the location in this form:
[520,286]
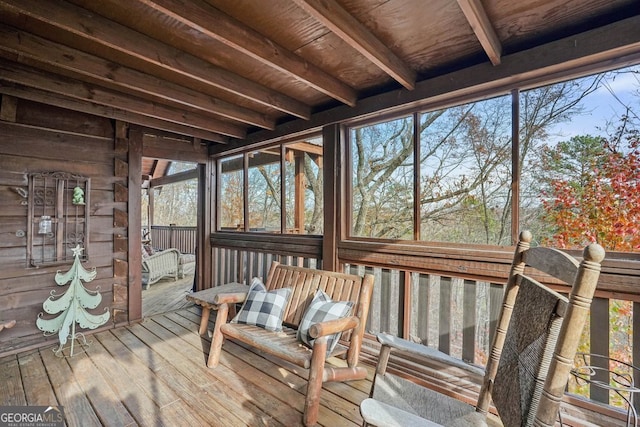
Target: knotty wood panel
[34,113]
[51,139]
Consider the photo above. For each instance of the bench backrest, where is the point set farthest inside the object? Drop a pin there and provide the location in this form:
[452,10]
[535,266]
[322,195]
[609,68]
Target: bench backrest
[304,283]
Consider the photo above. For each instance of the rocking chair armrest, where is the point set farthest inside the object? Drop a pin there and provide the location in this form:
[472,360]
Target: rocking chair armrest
[330,327]
[230,298]
[427,353]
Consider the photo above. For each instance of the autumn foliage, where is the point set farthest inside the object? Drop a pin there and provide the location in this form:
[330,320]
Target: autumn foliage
[593,195]
[601,203]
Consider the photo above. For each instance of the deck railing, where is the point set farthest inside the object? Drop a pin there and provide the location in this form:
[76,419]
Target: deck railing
[183,238]
[237,257]
[450,298]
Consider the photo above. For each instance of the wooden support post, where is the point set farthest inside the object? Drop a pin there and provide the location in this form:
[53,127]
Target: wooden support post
[299,193]
[134,232]
[332,194]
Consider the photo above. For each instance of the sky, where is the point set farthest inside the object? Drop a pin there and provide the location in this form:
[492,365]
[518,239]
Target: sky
[604,105]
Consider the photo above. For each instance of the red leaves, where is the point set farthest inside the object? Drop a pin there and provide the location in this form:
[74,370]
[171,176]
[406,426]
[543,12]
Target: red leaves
[602,206]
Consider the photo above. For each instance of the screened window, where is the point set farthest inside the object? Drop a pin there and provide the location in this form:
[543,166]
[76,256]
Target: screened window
[465,173]
[577,166]
[382,180]
[580,165]
[264,190]
[304,186]
[231,194]
[275,196]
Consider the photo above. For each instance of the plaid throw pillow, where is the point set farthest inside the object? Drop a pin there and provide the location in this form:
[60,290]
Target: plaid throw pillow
[262,308]
[322,309]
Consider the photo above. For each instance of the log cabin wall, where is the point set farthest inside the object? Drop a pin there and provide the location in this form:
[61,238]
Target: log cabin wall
[37,138]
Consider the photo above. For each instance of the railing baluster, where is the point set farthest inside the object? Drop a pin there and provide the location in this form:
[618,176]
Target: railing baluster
[393,303]
[444,324]
[469,321]
[416,329]
[599,340]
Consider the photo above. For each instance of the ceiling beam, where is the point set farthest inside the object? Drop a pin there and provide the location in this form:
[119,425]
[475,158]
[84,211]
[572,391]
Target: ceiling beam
[154,167]
[54,56]
[611,46]
[15,73]
[174,178]
[87,26]
[356,35]
[219,26]
[62,101]
[479,21]
[306,147]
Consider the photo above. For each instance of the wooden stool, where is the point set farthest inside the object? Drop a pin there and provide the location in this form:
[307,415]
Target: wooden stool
[207,297]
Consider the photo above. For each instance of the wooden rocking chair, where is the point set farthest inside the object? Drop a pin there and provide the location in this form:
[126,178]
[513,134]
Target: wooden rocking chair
[533,349]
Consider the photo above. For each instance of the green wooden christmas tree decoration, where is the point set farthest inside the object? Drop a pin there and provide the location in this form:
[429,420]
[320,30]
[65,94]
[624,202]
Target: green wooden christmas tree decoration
[72,306]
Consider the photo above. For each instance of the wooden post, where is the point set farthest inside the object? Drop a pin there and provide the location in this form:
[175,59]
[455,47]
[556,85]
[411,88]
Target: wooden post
[331,153]
[134,183]
[299,192]
[205,222]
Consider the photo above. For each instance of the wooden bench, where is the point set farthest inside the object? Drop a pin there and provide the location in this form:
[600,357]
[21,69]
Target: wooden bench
[304,284]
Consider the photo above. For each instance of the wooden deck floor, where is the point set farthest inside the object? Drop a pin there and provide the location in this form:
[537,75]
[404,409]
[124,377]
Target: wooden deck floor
[166,295]
[154,374]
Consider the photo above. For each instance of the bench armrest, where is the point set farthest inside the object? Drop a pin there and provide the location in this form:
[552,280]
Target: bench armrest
[230,298]
[333,326]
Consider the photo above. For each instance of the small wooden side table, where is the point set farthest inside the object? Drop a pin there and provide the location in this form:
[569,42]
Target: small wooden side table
[206,299]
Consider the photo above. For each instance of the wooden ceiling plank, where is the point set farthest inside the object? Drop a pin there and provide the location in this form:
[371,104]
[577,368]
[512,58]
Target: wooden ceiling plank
[593,51]
[356,35]
[15,73]
[130,80]
[224,28]
[62,101]
[479,21]
[96,29]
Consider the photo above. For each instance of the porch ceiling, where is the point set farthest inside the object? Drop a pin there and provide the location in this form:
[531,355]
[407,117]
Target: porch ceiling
[153,168]
[238,71]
